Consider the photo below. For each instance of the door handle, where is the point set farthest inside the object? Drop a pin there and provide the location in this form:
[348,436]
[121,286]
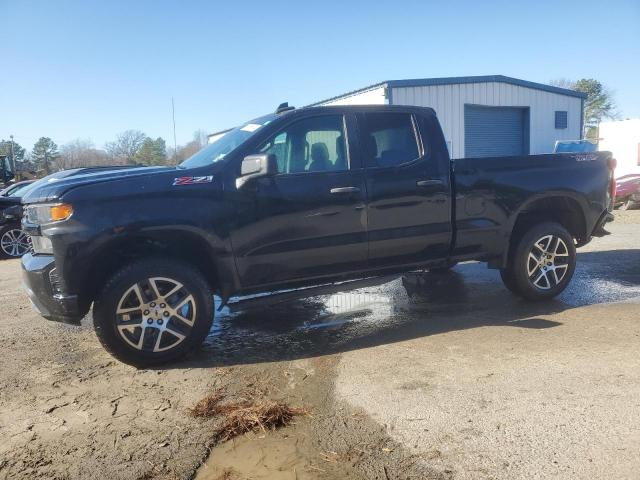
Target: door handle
[429,183]
[345,190]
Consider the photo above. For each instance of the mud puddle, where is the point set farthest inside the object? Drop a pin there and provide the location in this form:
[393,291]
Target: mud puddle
[333,441]
[266,456]
[292,452]
[410,306]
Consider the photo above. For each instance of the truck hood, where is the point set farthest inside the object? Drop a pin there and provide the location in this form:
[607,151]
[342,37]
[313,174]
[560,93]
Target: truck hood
[52,187]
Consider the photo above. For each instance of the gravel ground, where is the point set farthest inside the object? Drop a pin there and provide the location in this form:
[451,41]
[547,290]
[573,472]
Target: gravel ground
[445,376]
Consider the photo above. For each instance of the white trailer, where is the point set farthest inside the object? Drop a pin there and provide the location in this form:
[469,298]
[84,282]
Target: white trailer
[622,138]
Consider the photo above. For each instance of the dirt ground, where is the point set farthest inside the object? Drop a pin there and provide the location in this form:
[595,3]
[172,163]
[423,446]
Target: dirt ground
[425,376]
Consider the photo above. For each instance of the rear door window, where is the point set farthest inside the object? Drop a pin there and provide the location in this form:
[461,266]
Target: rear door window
[389,139]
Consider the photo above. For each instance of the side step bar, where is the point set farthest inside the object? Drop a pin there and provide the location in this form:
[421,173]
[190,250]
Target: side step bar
[261,300]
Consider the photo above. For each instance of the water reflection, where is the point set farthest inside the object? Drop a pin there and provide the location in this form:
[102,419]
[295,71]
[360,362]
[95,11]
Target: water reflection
[409,306]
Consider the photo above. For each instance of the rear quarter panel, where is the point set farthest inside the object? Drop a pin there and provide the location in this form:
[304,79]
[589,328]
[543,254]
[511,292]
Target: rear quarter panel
[491,192]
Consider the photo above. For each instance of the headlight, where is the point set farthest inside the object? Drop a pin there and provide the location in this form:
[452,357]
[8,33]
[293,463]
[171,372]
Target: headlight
[48,213]
[41,245]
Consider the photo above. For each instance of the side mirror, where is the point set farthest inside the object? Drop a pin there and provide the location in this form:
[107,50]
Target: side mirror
[256,166]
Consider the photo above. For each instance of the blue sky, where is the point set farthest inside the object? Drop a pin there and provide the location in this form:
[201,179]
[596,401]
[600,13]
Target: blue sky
[90,69]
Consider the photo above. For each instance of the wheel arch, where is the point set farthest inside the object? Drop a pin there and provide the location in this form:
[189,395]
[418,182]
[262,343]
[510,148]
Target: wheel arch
[564,208]
[183,245]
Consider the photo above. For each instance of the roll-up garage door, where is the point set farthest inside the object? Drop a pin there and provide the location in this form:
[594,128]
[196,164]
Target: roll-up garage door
[495,131]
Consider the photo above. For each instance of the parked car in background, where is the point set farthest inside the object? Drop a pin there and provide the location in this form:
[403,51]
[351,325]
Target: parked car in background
[13,241]
[574,146]
[627,192]
[15,188]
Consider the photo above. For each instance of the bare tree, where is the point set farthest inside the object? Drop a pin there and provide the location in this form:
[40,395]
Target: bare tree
[563,83]
[81,153]
[200,136]
[188,149]
[126,145]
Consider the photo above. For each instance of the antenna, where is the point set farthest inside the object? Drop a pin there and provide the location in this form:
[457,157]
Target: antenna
[175,143]
[284,107]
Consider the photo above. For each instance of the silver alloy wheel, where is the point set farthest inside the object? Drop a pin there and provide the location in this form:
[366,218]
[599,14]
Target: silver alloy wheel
[15,242]
[548,262]
[155,314]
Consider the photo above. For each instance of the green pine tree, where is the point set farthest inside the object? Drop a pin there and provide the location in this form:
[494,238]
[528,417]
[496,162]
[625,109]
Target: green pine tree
[44,153]
[152,152]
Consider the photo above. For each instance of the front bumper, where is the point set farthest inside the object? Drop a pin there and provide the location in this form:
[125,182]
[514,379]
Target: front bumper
[57,307]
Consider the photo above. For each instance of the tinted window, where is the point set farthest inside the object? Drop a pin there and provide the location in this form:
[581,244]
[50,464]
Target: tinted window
[17,190]
[314,144]
[226,143]
[389,139]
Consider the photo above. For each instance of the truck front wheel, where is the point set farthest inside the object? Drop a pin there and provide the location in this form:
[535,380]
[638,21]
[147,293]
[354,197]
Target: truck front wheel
[542,263]
[153,311]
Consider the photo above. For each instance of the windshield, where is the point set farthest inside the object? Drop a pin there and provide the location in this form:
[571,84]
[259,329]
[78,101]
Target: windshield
[582,146]
[18,189]
[226,143]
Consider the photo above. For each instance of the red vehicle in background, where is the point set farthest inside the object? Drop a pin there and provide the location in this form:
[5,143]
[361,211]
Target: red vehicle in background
[627,192]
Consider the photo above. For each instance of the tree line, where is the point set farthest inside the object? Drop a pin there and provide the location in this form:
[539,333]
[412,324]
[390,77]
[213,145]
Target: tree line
[131,147]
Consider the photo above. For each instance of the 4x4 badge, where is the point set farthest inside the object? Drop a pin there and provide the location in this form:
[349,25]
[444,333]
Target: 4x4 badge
[192,180]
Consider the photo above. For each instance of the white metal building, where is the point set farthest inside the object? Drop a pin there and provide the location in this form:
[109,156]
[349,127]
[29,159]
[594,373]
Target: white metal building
[486,115]
[622,139]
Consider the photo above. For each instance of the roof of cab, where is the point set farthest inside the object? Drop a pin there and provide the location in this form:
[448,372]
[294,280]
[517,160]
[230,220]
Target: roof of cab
[365,108]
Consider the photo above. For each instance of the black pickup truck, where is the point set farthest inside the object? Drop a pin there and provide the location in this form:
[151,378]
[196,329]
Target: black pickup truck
[297,198]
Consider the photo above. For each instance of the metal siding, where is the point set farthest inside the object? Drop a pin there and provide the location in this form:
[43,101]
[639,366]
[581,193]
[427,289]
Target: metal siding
[501,79]
[494,131]
[541,104]
[368,97]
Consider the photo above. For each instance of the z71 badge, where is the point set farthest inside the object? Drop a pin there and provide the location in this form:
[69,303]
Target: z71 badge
[192,180]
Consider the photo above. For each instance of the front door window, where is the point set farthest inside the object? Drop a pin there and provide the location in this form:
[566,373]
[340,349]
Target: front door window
[314,144]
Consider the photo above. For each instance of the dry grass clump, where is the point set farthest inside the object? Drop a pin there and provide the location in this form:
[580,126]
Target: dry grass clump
[242,416]
[208,406]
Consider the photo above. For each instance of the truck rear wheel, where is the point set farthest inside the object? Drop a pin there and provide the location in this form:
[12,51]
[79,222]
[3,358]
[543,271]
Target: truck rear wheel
[542,263]
[153,311]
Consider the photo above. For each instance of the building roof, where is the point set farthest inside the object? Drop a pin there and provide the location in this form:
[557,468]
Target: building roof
[421,82]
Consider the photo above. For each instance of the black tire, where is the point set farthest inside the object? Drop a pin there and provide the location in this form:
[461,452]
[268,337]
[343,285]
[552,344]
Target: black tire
[508,279]
[553,274]
[152,277]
